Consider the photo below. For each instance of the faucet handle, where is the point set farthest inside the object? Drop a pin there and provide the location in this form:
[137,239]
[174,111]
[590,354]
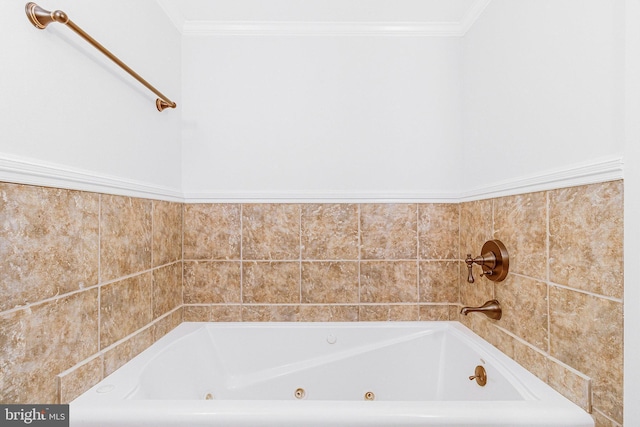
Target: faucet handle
[469,262]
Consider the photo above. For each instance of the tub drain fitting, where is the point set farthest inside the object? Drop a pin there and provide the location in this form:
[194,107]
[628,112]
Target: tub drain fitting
[369,396]
[299,393]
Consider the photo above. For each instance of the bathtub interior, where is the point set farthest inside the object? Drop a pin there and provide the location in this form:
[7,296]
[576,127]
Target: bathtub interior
[342,362]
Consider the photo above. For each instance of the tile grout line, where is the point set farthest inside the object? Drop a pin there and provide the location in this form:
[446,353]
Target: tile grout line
[547,264]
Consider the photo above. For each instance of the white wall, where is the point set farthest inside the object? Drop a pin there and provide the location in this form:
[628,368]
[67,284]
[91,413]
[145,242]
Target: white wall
[543,88]
[324,116]
[69,111]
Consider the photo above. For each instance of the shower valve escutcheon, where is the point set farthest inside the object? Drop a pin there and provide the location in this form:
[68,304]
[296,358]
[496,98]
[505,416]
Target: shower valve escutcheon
[494,261]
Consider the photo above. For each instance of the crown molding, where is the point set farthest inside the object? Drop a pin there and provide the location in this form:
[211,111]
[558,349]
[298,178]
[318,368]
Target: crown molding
[472,15]
[288,28]
[329,28]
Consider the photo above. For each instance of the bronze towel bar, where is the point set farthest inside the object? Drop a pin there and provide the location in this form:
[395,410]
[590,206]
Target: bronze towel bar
[40,18]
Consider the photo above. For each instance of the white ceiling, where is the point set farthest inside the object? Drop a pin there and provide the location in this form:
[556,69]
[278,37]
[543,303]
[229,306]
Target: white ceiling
[444,17]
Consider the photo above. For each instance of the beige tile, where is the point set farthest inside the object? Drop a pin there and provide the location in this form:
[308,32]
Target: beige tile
[271,282]
[328,313]
[226,313]
[270,313]
[117,356]
[125,307]
[49,243]
[388,231]
[476,227]
[271,231]
[330,282]
[602,420]
[211,282]
[521,224]
[125,236]
[524,309]
[74,382]
[42,341]
[196,313]
[572,384]
[165,325]
[433,312]
[477,293]
[439,281]
[329,232]
[212,231]
[167,289]
[586,238]
[388,312]
[167,232]
[586,334]
[388,282]
[438,231]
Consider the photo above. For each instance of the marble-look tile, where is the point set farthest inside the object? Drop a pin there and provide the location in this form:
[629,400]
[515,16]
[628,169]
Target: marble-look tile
[586,238]
[524,309]
[439,281]
[328,313]
[388,312]
[196,313]
[388,231]
[433,312]
[167,233]
[167,289]
[166,324]
[388,282]
[476,227]
[74,382]
[43,340]
[602,420]
[329,232]
[438,231]
[212,231]
[477,293]
[328,282]
[226,313]
[48,243]
[586,334]
[125,307]
[125,236]
[117,356]
[271,231]
[270,313]
[572,384]
[271,282]
[520,223]
[211,282]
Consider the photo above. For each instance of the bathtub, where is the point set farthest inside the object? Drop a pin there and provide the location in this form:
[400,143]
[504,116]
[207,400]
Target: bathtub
[322,374]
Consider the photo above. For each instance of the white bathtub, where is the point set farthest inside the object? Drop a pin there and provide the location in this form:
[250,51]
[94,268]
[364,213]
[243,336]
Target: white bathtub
[321,374]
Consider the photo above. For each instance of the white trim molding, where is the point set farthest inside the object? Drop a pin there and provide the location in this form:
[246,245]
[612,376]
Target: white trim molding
[600,170]
[211,27]
[289,28]
[34,172]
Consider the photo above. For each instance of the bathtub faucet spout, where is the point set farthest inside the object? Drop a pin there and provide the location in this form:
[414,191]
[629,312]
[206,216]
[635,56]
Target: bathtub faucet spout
[491,309]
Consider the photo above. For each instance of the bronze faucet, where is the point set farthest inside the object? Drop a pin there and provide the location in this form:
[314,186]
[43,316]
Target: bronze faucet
[491,309]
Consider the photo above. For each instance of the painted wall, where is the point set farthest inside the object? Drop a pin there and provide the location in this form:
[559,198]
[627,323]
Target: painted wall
[67,107]
[543,88]
[329,116]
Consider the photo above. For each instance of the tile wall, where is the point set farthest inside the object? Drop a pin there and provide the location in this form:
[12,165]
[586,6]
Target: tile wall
[320,262]
[87,281]
[98,278]
[562,300]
